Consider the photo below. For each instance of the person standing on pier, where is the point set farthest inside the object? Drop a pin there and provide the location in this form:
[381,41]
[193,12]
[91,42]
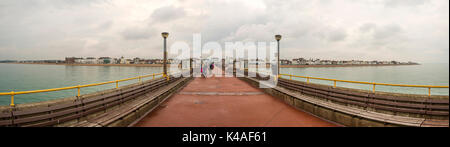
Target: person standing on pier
[210,69]
[204,69]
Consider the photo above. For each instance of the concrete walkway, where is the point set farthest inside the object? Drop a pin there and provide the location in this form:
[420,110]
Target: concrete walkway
[227,102]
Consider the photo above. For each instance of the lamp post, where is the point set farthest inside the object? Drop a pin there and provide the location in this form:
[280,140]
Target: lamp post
[201,63]
[278,38]
[165,35]
[234,63]
[257,64]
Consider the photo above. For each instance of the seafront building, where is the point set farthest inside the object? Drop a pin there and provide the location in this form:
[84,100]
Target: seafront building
[91,60]
[303,61]
[137,60]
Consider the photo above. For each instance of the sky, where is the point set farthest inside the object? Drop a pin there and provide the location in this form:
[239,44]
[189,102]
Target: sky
[401,30]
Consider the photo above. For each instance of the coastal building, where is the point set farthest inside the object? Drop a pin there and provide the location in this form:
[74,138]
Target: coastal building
[69,60]
[8,61]
[72,60]
[326,62]
[43,61]
[122,60]
[115,61]
[128,61]
[285,62]
[105,60]
[136,60]
[90,60]
[154,61]
[79,60]
[313,62]
[146,61]
[300,61]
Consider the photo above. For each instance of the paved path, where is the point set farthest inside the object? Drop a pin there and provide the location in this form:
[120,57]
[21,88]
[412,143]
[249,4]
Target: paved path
[227,102]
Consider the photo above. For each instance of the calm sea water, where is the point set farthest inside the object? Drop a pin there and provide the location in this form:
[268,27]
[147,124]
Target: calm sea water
[23,77]
[424,74]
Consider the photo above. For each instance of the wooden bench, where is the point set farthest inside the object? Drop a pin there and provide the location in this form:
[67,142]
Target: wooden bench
[432,107]
[152,99]
[78,108]
[325,98]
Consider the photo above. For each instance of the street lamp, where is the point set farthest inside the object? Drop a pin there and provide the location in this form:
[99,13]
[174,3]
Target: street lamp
[257,64]
[278,38]
[165,35]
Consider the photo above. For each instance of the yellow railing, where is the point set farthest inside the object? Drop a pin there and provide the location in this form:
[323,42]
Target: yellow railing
[356,82]
[367,83]
[12,93]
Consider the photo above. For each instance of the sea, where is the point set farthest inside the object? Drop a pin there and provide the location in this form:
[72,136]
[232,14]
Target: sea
[25,77]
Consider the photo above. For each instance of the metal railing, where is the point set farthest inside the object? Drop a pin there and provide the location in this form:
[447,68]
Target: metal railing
[367,83]
[12,93]
[356,82]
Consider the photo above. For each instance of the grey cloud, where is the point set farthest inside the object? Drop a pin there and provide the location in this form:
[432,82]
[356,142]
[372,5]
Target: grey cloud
[367,27]
[398,3]
[310,28]
[136,33]
[383,32]
[337,35]
[387,31]
[228,17]
[330,34]
[167,13]
[106,25]
[378,39]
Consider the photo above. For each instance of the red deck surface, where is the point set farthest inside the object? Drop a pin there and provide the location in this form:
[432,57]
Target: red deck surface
[203,103]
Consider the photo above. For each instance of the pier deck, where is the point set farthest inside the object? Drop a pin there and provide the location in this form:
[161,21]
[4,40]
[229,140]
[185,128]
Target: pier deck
[227,102]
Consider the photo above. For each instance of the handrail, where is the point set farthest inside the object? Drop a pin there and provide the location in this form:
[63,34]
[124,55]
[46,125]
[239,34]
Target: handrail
[357,82]
[369,83]
[12,93]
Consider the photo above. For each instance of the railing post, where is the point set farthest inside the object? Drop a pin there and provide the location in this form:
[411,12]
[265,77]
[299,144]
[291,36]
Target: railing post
[167,76]
[117,83]
[234,67]
[290,77]
[12,99]
[78,91]
[373,90]
[153,76]
[334,83]
[140,82]
[275,79]
[307,80]
[429,91]
[191,69]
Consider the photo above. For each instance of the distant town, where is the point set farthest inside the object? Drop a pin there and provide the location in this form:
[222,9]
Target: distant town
[122,60]
[303,61]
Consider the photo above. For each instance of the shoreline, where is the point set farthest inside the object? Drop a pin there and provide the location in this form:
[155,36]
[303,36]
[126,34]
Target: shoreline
[347,65]
[161,65]
[129,65]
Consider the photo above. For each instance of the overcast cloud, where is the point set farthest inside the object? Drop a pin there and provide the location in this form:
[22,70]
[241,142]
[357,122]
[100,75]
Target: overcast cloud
[403,30]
